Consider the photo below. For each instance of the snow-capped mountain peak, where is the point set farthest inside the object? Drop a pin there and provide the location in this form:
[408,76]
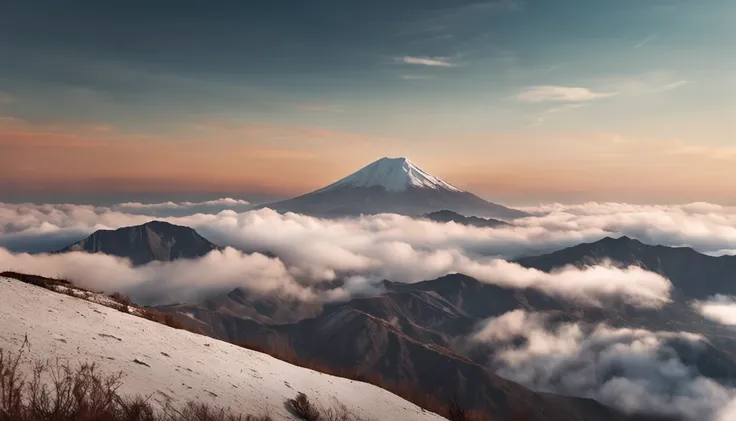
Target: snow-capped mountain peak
[394,175]
[392,185]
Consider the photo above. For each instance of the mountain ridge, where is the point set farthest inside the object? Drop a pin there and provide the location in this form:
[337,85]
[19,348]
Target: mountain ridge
[696,275]
[145,243]
[393,174]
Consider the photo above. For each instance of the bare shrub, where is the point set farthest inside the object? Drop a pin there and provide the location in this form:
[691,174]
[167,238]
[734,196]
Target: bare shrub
[40,281]
[165,319]
[11,385]
[60,392]
[282,350]
[339,412]
[303,408]
[135,409]
[454,410]
[406,391]
[121,299]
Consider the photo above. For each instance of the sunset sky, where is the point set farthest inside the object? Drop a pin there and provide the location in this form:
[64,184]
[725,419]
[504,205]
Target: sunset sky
[519,101]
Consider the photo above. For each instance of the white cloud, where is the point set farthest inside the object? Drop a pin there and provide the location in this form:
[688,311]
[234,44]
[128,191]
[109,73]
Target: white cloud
[671,86]
[183,208]
[706,227]
[645,41]
[224,202]
[372,247]
[407,250]
[160,283]
[634,370]
[427,61]
[720,308]
[304,265]
[561,94]
[648,83]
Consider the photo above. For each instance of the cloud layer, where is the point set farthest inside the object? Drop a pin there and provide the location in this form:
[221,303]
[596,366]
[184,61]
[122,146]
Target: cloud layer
[170,282]
[365,250]
[720,308]
[706,227]
[372,248]
[183,208]
[561,94]
[634,370]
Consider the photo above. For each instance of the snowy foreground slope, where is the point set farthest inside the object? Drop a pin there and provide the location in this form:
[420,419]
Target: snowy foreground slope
[180,365]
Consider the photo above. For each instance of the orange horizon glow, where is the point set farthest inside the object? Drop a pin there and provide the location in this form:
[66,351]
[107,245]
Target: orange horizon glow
[221,157]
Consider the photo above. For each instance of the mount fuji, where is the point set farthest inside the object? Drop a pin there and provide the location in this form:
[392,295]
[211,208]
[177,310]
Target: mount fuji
[392,185]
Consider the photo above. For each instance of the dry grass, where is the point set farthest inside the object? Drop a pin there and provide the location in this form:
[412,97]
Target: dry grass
[40,281]
[60,392]
[406,391]
[121,299]
[303,408]
[449,408]
[163,318]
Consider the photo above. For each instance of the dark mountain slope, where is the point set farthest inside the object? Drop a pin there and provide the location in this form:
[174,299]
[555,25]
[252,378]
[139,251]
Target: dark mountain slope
[238,303]
[152,241]
[344,337]
[693,274]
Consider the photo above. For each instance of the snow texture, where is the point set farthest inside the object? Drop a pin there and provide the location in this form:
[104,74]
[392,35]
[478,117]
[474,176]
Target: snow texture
[393,174]
[181,366]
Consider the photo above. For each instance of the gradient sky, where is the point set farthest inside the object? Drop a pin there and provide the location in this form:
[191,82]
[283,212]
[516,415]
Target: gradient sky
[519,101]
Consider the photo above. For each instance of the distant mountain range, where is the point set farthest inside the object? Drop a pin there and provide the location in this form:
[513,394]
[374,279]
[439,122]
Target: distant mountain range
[392,185]
[416,334]
[693,274]
[152,241]
[450,216]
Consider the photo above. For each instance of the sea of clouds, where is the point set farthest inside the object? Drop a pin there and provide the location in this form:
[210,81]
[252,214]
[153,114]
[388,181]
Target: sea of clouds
[310,253]
[361,251]
[634,370]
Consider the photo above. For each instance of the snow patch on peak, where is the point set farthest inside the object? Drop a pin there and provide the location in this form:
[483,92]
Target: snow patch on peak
[394,175]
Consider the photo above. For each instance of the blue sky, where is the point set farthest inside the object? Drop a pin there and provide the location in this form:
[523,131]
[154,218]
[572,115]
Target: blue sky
[515,99]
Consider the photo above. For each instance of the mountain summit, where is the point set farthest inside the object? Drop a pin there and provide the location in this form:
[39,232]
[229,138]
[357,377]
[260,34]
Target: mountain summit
[152,241]
[394,175]
[392,185]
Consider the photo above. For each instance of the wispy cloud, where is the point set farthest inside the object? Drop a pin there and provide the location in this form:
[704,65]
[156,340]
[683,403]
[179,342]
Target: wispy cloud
[644,83]
[550,93]
[541,118]
[645,41]
[427,61]
[721,308]
[671,86]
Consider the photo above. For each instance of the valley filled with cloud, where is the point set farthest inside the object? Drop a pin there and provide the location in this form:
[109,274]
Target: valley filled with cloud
[326,261]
